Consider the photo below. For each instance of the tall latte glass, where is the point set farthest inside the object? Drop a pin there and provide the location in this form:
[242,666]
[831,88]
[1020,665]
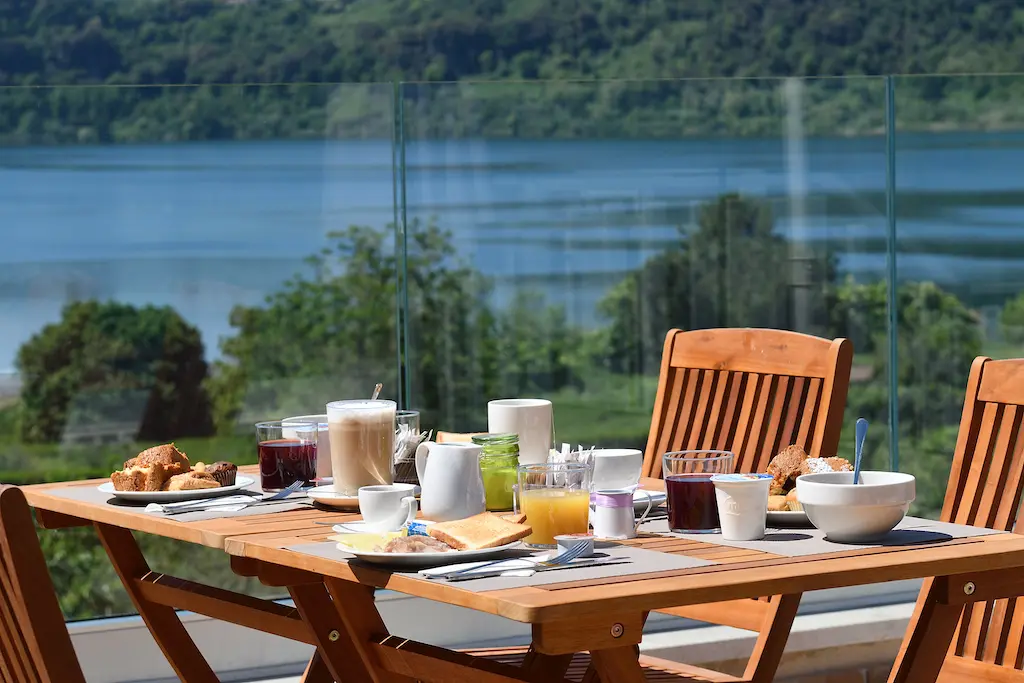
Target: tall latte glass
[362,436]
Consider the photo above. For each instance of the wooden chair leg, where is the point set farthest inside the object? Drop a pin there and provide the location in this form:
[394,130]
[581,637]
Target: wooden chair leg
[317,671]
[771,640]
[167,630]
[928,638]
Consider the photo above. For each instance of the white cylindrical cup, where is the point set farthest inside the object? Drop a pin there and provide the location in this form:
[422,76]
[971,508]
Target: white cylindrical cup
[616,468]
[531,419]
[323,441]
[362,436]
[742,505]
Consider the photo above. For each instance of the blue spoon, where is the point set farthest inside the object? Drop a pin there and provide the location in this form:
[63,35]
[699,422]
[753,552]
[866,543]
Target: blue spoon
[862,433]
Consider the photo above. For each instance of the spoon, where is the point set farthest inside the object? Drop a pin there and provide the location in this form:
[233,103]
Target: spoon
[862,433]
[376,391]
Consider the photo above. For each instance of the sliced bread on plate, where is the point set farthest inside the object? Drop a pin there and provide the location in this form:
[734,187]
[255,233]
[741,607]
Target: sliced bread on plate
[485,530]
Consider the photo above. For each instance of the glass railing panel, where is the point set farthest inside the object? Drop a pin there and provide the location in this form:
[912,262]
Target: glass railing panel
[178,264]
[960,254]
[571,225]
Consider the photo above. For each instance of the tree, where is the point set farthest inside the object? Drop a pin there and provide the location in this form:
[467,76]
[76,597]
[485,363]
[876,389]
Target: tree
[333,332]
[937,339]
[114,363]
[1011,320]
[733,270]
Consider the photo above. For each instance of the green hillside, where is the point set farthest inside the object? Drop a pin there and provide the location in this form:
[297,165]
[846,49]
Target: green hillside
[202,42]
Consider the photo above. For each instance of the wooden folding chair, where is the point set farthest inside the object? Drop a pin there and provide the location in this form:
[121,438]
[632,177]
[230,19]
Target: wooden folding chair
[985,486]
[34,643]
[752,392]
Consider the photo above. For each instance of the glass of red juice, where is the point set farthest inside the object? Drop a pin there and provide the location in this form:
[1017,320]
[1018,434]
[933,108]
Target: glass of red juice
[287,453]
[692,506]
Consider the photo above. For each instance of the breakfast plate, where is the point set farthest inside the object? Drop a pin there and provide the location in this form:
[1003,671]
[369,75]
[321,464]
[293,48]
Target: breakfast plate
[788,518]
[241,482]
[325,495]
[427,560]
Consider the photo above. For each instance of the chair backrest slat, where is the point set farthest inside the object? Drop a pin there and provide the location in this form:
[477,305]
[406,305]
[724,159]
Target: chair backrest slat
[986,483]
[750,391]
[34,643]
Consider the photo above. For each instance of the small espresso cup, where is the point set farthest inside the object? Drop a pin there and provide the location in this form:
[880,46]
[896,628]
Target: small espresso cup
[387,507]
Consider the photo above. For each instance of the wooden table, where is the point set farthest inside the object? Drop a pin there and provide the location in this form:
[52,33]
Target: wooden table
[335,611]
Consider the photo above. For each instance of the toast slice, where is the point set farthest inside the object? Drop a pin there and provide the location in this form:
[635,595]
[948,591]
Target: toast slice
[485,530]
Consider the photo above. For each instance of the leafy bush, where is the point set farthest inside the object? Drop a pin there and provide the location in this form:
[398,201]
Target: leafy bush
[112,366]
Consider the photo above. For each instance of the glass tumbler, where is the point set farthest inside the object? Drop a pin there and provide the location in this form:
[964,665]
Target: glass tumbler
[692,506]
[287,453]
[555,497]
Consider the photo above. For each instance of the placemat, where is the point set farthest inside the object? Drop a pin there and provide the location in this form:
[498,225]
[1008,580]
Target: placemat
[91,494]
[798,542]
[639,562]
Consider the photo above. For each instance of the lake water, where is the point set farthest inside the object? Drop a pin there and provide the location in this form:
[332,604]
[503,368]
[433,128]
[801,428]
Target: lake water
[203,227]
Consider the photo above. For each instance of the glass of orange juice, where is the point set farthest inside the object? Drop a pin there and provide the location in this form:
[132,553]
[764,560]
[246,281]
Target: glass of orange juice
[555,497]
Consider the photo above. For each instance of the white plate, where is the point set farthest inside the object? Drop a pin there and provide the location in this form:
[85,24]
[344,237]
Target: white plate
[241,482]
[325,495]
[788,518]
[640,500]
[426,560]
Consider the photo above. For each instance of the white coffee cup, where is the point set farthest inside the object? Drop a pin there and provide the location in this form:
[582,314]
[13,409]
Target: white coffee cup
[323,441]
[616,468]
[387,507]
[742,505]
[531,419]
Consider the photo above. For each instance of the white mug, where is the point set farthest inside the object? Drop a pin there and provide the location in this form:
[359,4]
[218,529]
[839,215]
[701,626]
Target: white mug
[616,468]
[387,507]
[531,419]
[323,441]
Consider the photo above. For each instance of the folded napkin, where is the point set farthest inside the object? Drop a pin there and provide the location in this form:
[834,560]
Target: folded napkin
[231,503]
[514,566]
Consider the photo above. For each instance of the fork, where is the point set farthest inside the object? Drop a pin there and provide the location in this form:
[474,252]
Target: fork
[270,498]
[565,557]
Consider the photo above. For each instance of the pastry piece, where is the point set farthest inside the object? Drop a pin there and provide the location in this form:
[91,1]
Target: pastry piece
[792,503]
[415,544]
[166,454]
[485,530]
[224,472]
[143,477]
[777,504]
[785,466]
[190,481]
[820,465]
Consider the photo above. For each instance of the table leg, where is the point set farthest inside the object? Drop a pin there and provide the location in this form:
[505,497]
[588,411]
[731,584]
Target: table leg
[167,630]
[316,670]
[928,639]
[618,664]
[547,666]
[335,647]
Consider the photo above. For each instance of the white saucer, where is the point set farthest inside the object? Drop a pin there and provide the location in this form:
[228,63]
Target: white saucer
[241,482]
[325,495]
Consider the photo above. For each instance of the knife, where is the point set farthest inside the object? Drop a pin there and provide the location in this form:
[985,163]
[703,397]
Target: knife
[469,576]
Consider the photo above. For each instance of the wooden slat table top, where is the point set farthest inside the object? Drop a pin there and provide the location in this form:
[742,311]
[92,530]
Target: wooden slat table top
[212,533]
[737,573]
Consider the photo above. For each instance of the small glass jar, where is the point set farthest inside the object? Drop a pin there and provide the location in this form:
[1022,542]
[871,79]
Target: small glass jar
[498,463]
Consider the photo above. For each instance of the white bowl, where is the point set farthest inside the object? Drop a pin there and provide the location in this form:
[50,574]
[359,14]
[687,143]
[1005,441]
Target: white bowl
[848,512]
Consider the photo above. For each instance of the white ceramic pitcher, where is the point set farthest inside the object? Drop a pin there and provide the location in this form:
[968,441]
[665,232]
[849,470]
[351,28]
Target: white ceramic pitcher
[450,482]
